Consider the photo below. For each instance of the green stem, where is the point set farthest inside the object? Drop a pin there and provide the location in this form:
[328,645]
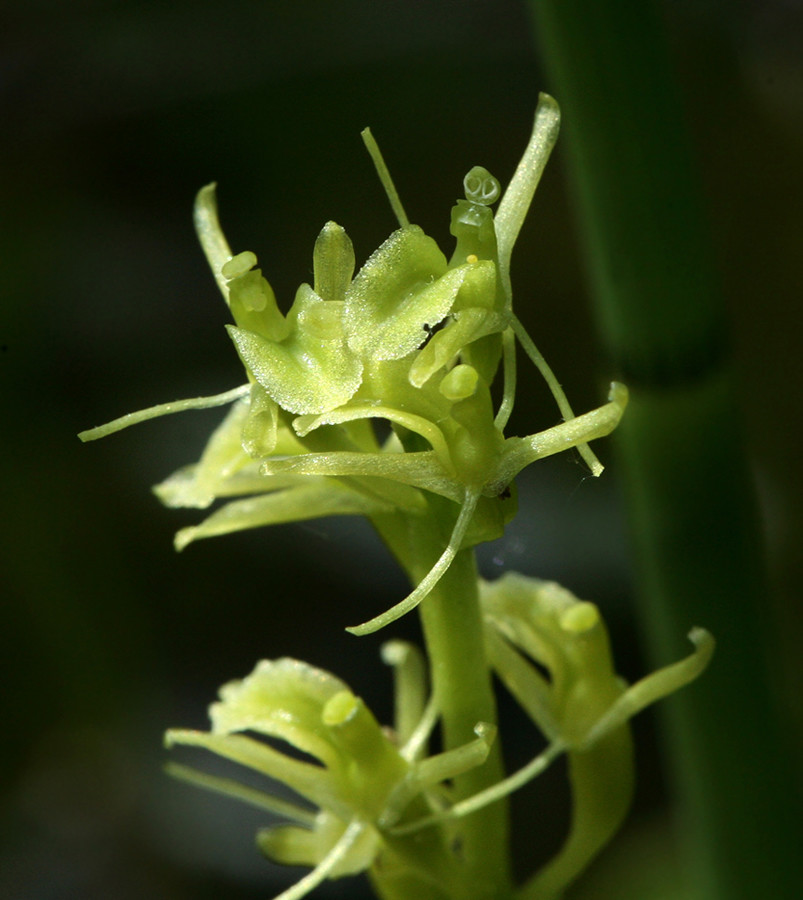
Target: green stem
[461,682]
[697,543]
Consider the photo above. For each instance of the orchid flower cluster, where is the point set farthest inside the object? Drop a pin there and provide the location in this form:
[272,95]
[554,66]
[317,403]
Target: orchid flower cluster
[384,806]
[412,339]
[415,340]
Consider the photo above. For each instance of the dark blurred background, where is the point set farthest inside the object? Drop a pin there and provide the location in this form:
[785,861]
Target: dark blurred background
[113,115]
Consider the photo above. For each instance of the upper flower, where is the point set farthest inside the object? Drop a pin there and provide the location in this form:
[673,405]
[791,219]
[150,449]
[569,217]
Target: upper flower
[413,339]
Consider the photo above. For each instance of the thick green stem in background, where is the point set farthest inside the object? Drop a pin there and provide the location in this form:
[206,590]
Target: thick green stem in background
[461,681]
[697,544]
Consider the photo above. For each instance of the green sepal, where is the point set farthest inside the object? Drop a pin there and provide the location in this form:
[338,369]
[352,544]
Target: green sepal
[312,371]
[444,346]
[234,790]
[282,698]
[311,499]
[516,200]
[419,470]
[223,457]
[311,781]
[396,293]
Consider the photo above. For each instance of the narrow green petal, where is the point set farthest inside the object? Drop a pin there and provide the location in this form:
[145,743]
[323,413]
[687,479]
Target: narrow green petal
[410,686]
[468,325]
[519,194]
[555,389]
[430,579]
[384,176]
[163,409]
[313,782]
[520,452]
[427,429]
[433,771]
[297,504]
[210,234]
[228,787]
[421,469]
[656,686]
[512,783]
[509,379]
[304,375]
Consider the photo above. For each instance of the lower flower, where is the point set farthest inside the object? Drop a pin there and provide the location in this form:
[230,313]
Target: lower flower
[364,781]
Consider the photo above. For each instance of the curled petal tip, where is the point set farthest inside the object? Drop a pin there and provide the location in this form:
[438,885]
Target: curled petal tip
[619,394]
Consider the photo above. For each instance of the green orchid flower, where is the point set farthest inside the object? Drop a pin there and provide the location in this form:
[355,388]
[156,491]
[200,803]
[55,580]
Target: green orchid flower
[412,339]
[365,781]
[583,708]
[381,805]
